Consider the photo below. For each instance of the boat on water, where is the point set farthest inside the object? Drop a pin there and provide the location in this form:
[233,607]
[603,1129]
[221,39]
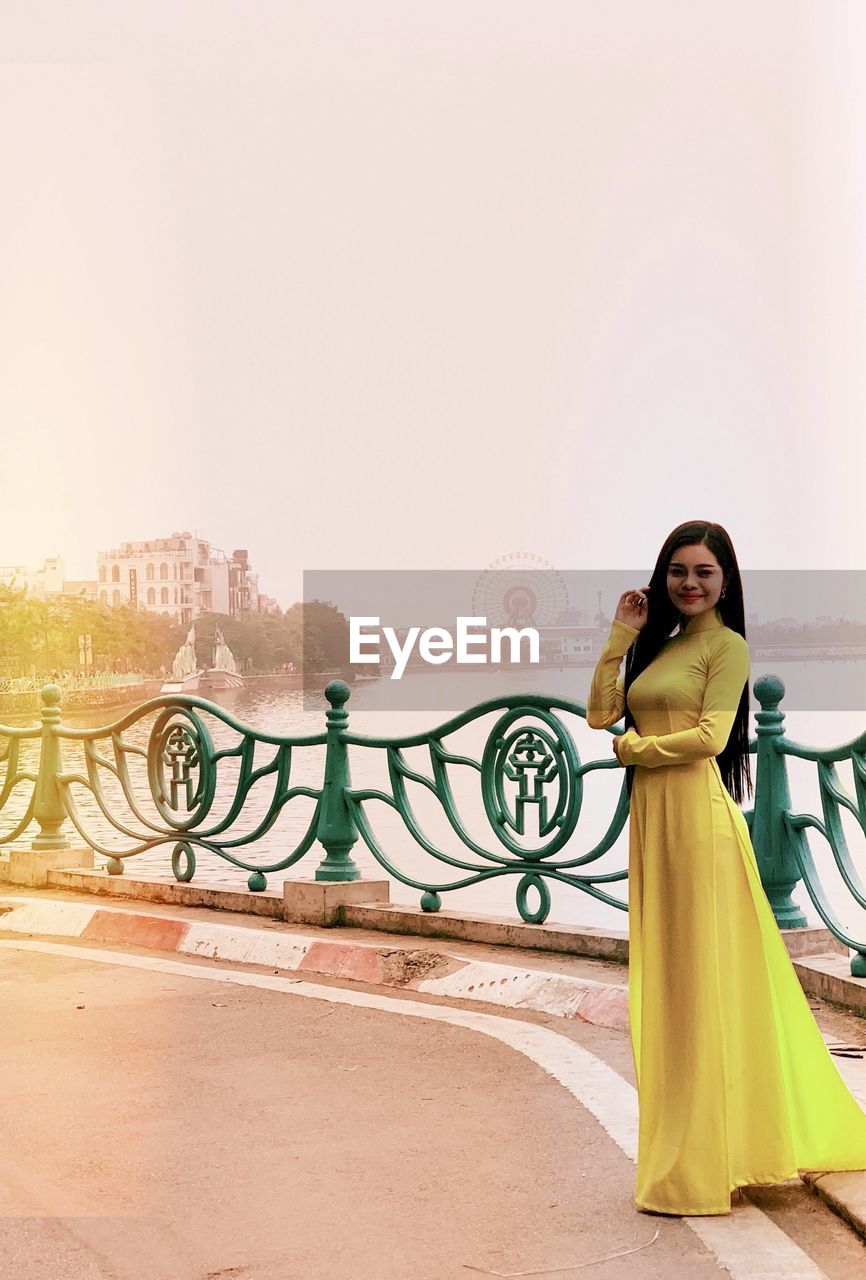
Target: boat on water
[188,677]
[185,671]
[224,673]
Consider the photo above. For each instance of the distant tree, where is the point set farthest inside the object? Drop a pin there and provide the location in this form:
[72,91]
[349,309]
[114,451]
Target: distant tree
[45,634]
[323,632]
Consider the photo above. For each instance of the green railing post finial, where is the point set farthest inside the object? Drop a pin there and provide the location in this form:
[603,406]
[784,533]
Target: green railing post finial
[336,830]
[777,864]
[48,808]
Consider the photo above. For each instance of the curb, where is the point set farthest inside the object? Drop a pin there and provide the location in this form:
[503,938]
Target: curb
[433,972]
[845,1193]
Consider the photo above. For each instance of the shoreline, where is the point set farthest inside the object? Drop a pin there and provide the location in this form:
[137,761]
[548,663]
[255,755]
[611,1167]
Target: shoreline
[25,706]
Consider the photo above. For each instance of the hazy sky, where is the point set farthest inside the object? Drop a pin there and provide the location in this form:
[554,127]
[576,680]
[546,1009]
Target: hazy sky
[395,285]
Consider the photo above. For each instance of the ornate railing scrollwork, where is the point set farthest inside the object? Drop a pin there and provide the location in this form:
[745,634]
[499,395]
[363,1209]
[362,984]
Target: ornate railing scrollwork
[183,773]
[529,769]
[170,798]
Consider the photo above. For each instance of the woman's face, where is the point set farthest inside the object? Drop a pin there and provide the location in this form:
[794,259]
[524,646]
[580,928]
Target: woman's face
[694,579]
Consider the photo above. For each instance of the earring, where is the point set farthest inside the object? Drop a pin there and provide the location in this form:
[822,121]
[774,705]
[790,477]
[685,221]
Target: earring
[722,593]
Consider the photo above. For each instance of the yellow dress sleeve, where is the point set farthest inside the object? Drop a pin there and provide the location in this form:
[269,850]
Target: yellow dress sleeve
[728,671]
[606,701]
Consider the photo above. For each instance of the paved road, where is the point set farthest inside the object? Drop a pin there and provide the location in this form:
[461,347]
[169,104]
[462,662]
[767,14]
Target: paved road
[200,1121]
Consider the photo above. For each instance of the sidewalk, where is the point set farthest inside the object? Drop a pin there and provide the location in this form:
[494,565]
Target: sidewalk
[171,1118]
[560,985]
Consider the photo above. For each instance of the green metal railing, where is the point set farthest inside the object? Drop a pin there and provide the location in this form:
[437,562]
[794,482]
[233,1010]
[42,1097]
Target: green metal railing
[779,834]
[162,791]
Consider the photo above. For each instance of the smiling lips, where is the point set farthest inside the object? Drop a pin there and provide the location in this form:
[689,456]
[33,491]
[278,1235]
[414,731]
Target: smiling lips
[685,597]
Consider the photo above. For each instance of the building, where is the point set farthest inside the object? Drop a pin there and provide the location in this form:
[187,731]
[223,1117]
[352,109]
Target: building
[243,585]
[570,645]
[49,580]
[268,604]
[42,582]
[182,576]
[81,589]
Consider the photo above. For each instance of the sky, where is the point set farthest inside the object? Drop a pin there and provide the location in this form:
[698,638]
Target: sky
[408,285]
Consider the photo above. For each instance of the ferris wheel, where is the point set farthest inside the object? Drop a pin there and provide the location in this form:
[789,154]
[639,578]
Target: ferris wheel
[520,590]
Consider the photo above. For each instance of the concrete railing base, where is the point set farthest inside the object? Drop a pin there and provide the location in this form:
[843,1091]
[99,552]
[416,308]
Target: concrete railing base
[324,901]
[32,867]
[580,940]
[829,977]
[814,940]
[824,966]
[199,893]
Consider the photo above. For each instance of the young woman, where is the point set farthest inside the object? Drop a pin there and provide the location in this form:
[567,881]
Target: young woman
[735,1083]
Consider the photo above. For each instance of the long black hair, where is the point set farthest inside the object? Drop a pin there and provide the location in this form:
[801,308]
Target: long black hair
[663,617]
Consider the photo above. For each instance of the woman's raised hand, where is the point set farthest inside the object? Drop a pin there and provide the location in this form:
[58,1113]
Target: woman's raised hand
[632,607]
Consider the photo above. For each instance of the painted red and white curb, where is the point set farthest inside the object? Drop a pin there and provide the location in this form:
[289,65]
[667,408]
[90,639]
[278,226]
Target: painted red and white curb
[434,972]
[747,1243]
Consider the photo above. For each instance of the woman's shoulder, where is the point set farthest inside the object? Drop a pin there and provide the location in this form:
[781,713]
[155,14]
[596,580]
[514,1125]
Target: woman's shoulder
[725,639]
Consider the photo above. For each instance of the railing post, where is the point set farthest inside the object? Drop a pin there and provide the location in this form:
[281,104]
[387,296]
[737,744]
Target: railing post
[48,809]
[776,862]
[336,830]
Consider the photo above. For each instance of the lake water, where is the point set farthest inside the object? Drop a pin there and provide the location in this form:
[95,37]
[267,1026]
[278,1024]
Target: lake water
[282,712]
